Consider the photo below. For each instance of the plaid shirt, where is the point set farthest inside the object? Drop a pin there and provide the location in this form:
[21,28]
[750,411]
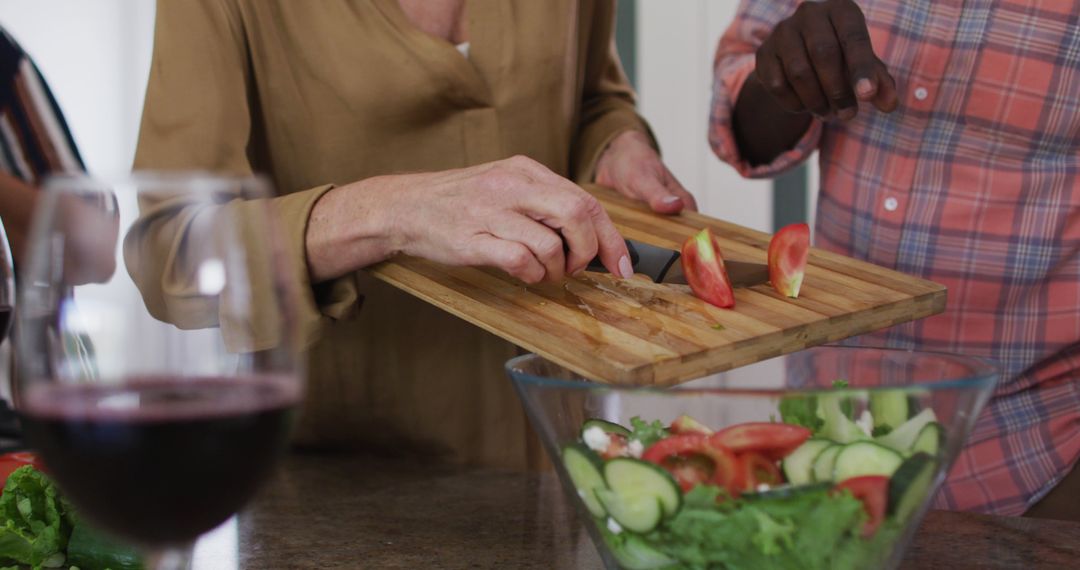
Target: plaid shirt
[974,182]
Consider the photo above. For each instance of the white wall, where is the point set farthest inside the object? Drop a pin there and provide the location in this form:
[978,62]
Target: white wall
[95,55]
[676,41]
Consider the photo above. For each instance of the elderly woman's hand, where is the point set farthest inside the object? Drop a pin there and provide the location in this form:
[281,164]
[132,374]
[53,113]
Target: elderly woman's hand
[632,166]
[513,214]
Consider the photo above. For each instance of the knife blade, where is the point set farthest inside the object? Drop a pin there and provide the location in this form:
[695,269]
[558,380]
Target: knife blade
[660,265]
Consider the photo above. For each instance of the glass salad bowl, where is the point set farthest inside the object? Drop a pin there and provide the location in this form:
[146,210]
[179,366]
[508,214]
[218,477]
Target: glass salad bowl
[827,458]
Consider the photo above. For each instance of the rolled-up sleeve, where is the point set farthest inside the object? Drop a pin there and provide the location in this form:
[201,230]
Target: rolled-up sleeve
[197,116]
[732,67]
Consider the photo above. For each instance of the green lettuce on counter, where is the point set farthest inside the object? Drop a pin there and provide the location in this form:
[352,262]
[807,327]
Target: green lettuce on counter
[37,521]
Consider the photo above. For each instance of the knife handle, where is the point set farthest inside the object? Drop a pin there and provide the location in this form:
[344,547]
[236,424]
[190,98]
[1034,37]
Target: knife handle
[597,265]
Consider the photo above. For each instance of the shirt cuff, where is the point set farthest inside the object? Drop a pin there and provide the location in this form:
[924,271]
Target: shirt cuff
[595,138]
[730,77]
[336,299]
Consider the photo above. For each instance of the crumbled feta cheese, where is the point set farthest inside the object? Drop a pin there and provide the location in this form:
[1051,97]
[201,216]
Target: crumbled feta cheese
[636,448]
[762,487]
[613,526]
[866,422]
[596,438]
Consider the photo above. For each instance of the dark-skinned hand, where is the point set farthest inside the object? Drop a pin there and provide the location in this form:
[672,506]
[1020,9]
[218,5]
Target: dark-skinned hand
[820,60]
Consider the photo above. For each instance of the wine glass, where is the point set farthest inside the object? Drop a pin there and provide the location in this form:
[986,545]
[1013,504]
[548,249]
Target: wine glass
[158,364]
[9,428]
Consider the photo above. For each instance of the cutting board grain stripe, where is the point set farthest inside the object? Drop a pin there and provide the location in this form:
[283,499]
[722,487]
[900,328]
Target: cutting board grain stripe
[728,232]
[638,332]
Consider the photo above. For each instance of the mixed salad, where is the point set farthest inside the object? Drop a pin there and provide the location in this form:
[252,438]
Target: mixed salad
[39,529]
[818,489]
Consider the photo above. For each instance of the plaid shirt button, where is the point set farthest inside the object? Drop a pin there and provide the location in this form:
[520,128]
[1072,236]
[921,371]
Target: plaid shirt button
[921,93]
[891,204]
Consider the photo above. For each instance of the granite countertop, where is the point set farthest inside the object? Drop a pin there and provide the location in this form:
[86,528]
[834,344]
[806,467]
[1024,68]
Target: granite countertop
[358,511]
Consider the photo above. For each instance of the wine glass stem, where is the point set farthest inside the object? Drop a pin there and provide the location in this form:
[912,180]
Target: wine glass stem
[170,558]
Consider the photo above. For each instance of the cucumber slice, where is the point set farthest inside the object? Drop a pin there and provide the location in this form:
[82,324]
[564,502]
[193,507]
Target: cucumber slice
[640,514]
[798,465]
[584,467]
[89,549]
[838,426]
[902,437]
[910,484]
[889,408]
[865,458]
[825,462]
[636,478]
[609,427]
[930,440]
[636,554]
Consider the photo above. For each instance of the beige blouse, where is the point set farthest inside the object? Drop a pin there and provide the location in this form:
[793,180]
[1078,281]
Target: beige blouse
[329,92]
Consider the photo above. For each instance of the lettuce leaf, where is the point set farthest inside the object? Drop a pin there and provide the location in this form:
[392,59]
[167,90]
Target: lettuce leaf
[647,433]
[36,520]
[809,530]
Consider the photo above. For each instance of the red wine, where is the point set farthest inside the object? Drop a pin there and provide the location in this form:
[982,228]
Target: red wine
[159,461]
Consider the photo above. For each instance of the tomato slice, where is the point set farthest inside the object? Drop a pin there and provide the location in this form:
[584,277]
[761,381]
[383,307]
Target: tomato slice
[704,269]
[757,469]
[683,455]
[873,491]
[789,249]
[685,424]
[774,440]
[726,473]
[9,462]
[689,470]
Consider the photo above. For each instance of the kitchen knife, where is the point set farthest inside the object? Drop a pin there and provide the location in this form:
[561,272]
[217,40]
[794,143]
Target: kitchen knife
[662,266]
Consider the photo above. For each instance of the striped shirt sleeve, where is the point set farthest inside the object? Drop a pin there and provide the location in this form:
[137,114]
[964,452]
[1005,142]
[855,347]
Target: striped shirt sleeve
[34,137]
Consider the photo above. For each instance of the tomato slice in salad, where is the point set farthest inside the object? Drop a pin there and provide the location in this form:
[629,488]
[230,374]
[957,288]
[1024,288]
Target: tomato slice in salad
[704,269]
[9,462]
[789,249]
[693,459]
[689,471]
[773,440]
[757,469]
[873,491]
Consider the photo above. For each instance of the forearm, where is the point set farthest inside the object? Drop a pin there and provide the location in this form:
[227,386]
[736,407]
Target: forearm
[17,201]
[763,129]
[353,226]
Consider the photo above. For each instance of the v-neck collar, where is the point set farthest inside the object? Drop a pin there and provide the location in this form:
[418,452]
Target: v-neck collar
[440,57]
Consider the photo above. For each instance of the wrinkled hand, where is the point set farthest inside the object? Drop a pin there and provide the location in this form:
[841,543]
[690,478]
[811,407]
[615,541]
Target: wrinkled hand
[513,214]
[820,60]
[632,166]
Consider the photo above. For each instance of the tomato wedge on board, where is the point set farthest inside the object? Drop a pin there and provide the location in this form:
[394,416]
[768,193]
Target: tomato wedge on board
[704,269]
[757,469]
[773,440]
[685,424]
[789,249]
[873,491]
[11,461]
[682,455]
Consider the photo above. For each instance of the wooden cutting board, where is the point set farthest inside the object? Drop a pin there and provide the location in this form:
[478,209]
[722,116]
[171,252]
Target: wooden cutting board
[642,333]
